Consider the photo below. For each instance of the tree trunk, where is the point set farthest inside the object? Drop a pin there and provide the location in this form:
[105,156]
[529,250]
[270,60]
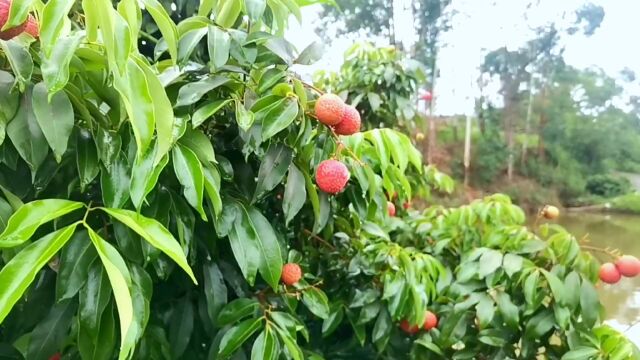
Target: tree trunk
[541,125]
[431,134]
[527,125]
[467,151]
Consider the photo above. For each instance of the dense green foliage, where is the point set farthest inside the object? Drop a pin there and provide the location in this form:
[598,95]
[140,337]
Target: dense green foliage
[155,181]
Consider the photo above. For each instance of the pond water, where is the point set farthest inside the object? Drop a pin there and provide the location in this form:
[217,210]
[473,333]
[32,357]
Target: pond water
[622,300]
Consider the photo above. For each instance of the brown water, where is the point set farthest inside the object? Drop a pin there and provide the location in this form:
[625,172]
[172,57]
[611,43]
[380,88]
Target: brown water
[622,300]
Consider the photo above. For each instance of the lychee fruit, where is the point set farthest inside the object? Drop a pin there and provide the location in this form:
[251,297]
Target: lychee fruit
[391,208]
[430,321]
[56,356]
[332,176]
[609,273]
[9,34]
[408,328]
[419,136]
[550,212]
[406,205]
[628,265]
[291,274]
[349,121]
[33,28]
[329,108]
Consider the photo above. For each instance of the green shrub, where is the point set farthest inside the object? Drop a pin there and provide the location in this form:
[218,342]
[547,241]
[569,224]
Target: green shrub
[608,185]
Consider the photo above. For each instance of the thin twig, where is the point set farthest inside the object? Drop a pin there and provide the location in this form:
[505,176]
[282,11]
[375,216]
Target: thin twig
[312,88]
[149,37]
[601,250]
[321,240]
[339,142]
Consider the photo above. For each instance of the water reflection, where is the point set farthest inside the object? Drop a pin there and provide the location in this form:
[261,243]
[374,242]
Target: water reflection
[622,300]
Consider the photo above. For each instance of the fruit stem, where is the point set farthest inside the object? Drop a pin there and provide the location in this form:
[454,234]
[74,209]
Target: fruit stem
[321,240]
[601,250]
[340,143]
[312,87]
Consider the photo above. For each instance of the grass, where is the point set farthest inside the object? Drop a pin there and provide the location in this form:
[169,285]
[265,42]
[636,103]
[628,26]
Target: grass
[627,203]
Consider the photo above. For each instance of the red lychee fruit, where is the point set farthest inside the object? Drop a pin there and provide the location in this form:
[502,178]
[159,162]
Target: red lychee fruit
[609,273]
[329,108]
[291,274]
[406,205]
[33,28]
[408,328]
[55,356]
[349,121]
[9,34]
[430,321]
[391,208]
[332,176]
[628,265]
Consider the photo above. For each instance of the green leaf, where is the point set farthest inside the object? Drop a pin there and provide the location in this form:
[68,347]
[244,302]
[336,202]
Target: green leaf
[25,134]
[266,346]
[144,176]
[509,311]
[228,12]
[581,353]
[237,310]
[489,262]
[215,290]
[540,324]
[205,7]
[212,188]
[272,168]
[572,286]
[94,298]
[244,117]
[206,111]
[219,43]
[156,234]
[311,54]
[86,158]
[291,344]
[51,332]
[120,280]
[331,322]
[181,327]
[18,13]
[374,100]
[255,8]
[382,329]
[295,194]
[316,301]
[192,92]
[281,48]
[115,183]
[237,335]
[102,345]
[512,264]
[20,61]
[189,41]
[166,26]
[75,261]
[279,118]
[485,310]
[55,66]
[21,270]
[29,217]
[557,287]
[55,118]
[589,303]
[52,24]
[531,287]
[270,266]
[200,144]
[188,170]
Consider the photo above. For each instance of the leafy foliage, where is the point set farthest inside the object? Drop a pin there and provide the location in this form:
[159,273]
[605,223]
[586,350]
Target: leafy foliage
[187,178]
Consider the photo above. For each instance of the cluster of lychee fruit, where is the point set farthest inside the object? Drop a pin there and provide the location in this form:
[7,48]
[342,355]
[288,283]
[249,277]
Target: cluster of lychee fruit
[626,265]
[30,26]
[332,175]
[430,322]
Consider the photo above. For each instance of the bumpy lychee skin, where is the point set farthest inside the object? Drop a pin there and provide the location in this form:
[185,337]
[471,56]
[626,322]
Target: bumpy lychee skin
[431,321]
[291,274]
[349,121]
[391,208]
[408,328]
[32,28]
[4,16]
[332,176]
[56,356]
[550,212]
[628,265]
[609,273]
[329,108]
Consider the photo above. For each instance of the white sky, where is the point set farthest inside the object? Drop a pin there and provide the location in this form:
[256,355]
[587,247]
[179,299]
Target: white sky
[483,25]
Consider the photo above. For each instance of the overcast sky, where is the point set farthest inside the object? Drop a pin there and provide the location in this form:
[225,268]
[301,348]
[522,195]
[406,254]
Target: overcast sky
[483,25]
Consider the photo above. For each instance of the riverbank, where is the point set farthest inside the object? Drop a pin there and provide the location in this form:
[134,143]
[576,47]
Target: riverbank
[628,204]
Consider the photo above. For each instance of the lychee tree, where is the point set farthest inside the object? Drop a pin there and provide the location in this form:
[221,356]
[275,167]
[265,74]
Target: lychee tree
[171,190]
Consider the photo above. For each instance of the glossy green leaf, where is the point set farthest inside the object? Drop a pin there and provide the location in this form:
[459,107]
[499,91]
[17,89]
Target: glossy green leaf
[93,298]
[311,54]
[489,262]
[154,233]
[512,264]
[181,327]
[485,310]
[28,218]
[25,134]
[266,346]
[237,310]
[192,92]
[272,169]
[20,61]
[508,309]
[557,287]
[86,158]
[212,188]
[166,26]
[75,260]
[215,290]
[101,347]
[331,322]
[540,324]
[255,8]
[279,118]
[189,41]
[228,12]
[244,117]
[120,280]
[200,144]
[581,353]
[237,335]
[382,329]
[21,270]
[531,287]
[219,43]
[54,16]
[144,176]
[206,111]
[290,344]
[316,301]
[115,183]
[572,287]
[589,303]
[295,193]
[188,170]
[50,333]
[18,13]
[55,118]
[281,48]
[55,66]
